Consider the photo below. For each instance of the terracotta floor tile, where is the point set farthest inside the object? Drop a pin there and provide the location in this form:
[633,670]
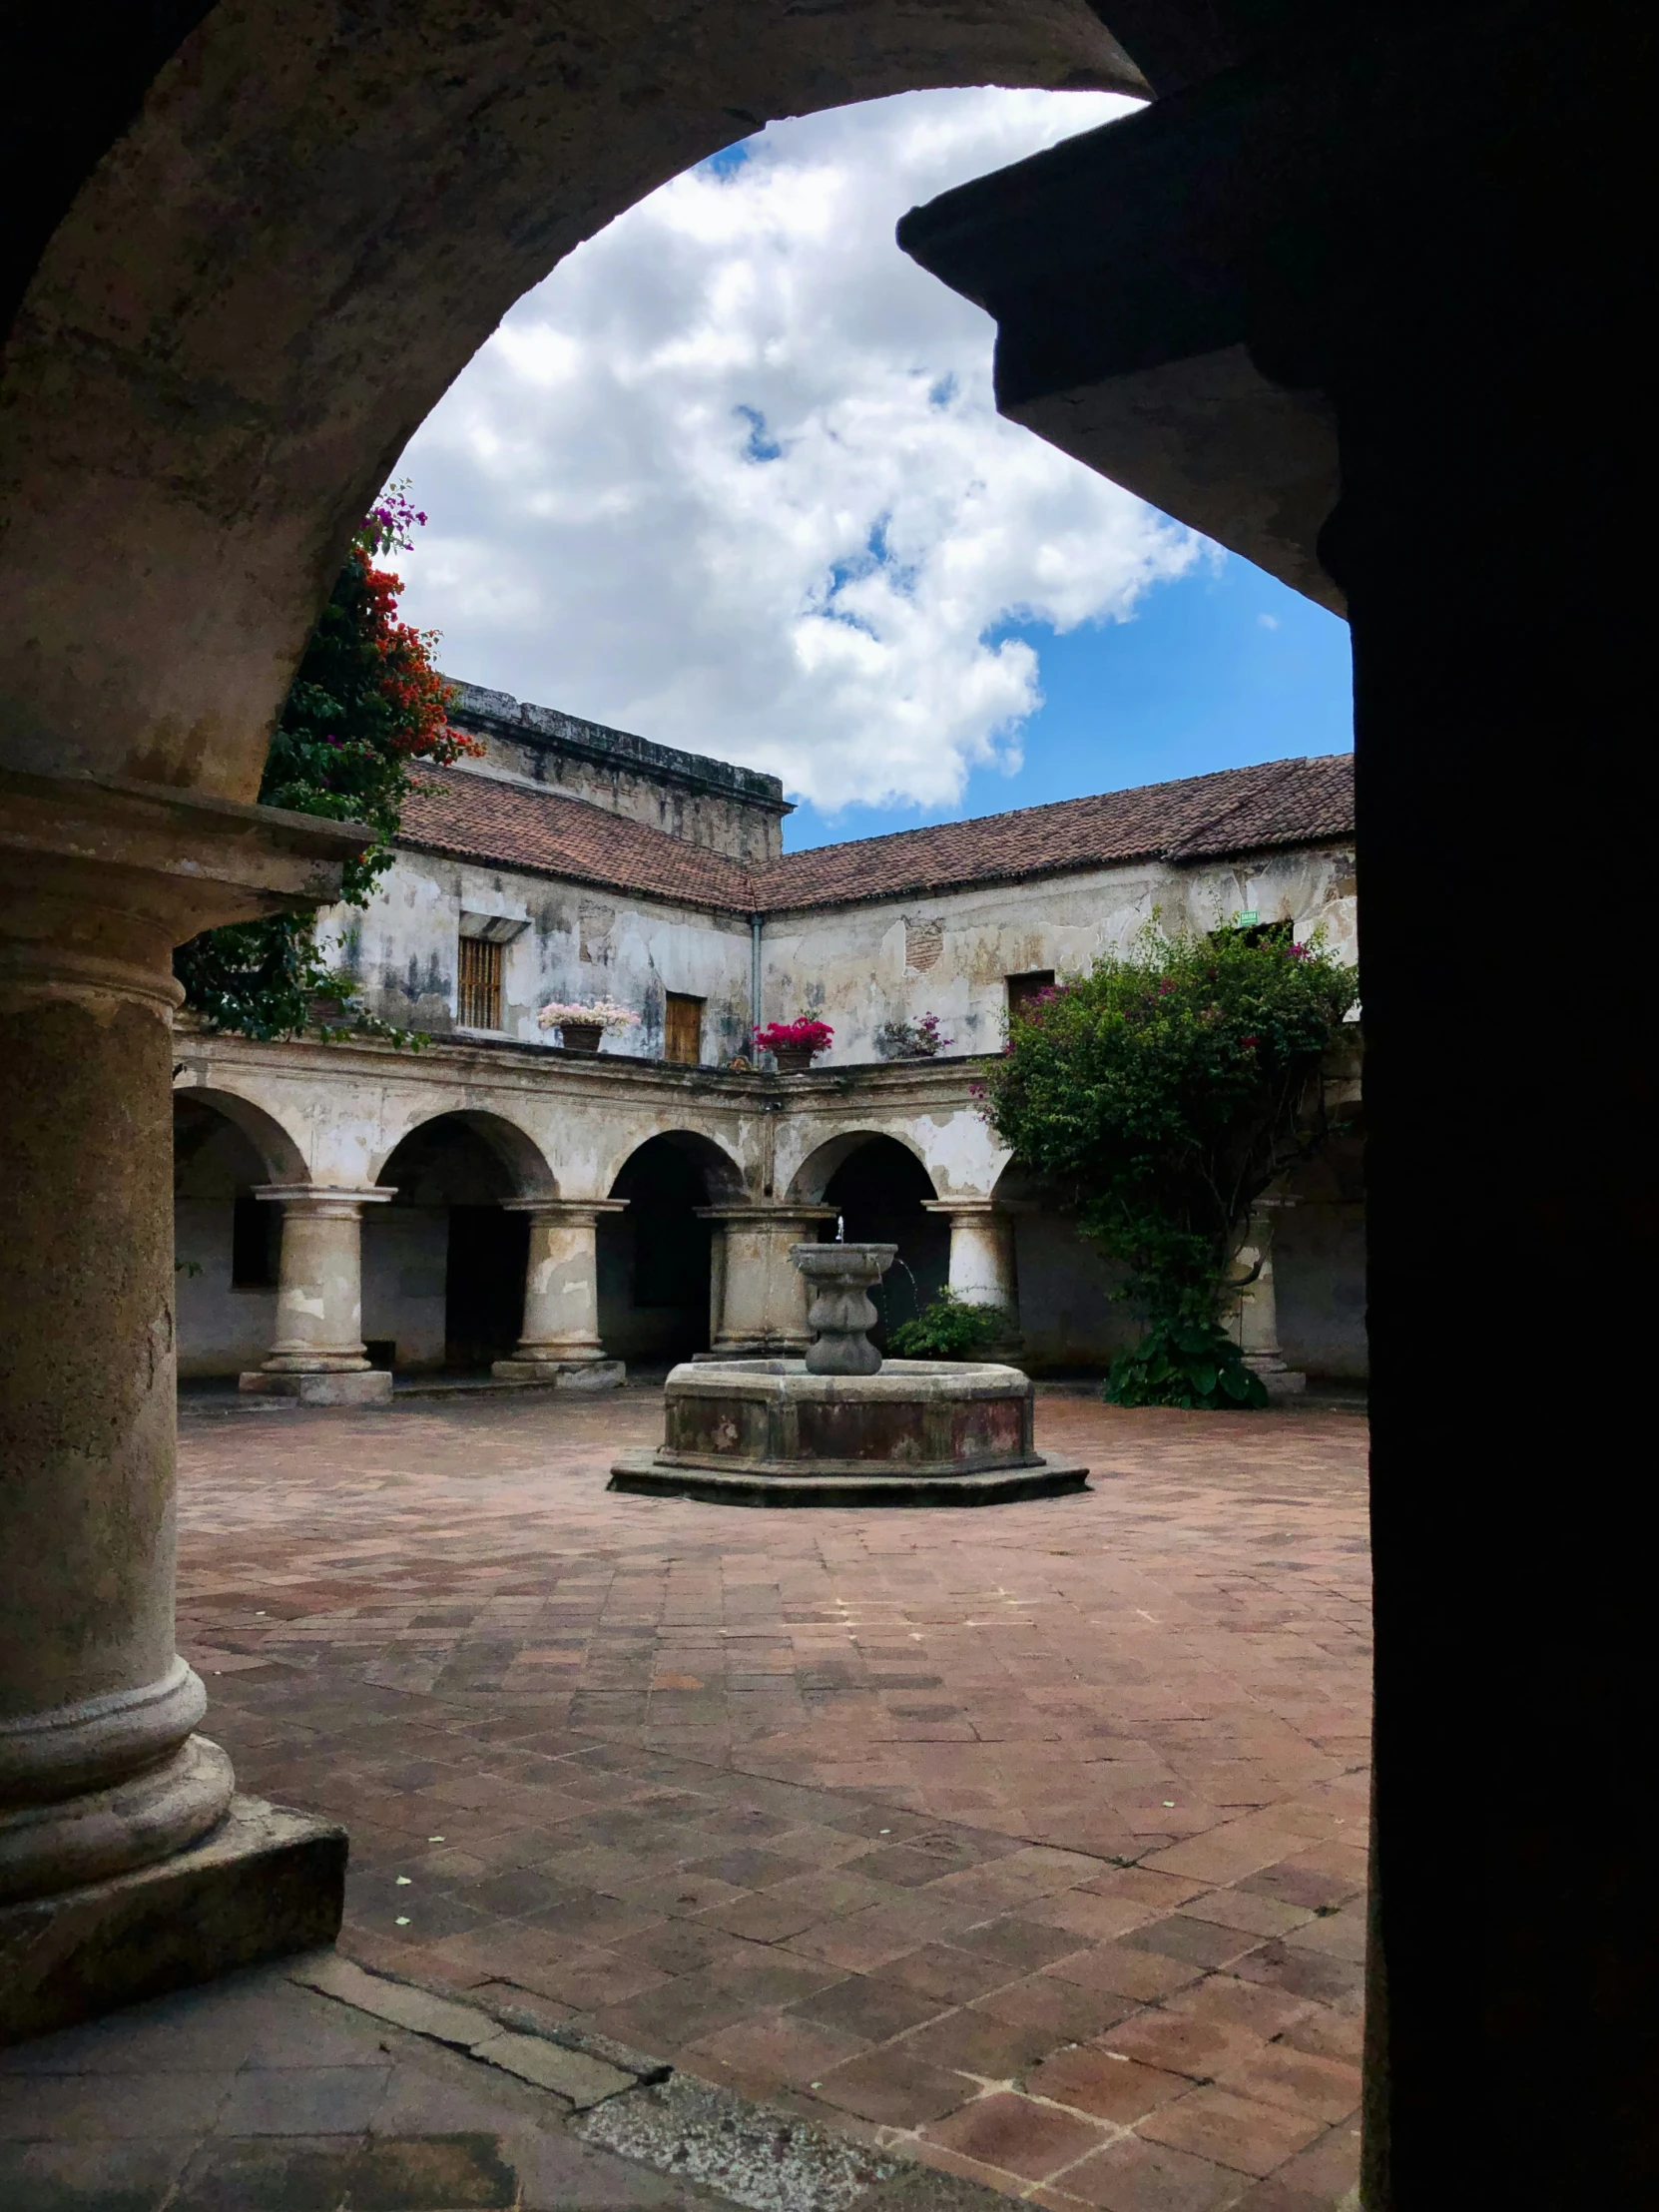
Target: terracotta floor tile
[1144,1974]
[892,2088]
[976,2043]
[1069,2012]
[777,2047]
[1189,1631]
[1015,2135]
[1232,2130]
[1180,2043]
[1104,2083]
[1021,1942]
[952,1975]
[1325,2089]
[1133,2175]
[869,2007]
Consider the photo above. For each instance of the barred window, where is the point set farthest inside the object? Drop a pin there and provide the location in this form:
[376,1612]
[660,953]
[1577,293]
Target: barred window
[481,984]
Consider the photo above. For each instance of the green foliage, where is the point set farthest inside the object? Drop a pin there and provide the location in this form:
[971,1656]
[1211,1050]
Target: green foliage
[366,705]
[949,1328]
[1184,1363]
[1161,1094]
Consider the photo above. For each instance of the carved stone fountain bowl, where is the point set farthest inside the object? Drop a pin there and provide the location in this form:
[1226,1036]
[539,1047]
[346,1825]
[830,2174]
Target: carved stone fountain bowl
[917,1433]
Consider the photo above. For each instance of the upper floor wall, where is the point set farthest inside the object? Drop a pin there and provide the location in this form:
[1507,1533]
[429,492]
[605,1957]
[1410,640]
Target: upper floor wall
[858,967]
[855,967]
[734,810]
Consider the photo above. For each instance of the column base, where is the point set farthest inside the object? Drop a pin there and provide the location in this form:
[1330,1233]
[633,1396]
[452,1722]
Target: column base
[365,1386]
[1276,1378]
[563,1374]
[266,1882]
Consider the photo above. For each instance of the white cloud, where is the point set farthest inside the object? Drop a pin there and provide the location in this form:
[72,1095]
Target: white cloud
[731,476]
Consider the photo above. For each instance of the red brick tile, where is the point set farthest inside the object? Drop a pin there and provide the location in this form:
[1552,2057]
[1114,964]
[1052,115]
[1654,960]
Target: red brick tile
[1323,2087]
[1015,2135]
[1069,2012]
[1104,2083]
[894,2089]
[1232,2130]
[953,1977]
[976,2043]
[1181,2044]
[1133,2175]
[1144,1974]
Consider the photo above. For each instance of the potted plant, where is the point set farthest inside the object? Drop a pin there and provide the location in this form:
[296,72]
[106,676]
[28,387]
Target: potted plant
[582,1023]
[911,1040]
[793,1043]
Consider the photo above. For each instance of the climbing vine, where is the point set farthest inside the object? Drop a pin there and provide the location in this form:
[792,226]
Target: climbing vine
[367,707]
[1160,1096]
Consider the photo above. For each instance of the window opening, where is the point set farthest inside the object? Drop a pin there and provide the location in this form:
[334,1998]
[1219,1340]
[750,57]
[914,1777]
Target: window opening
[481,984]
[683,1029]
[1023,989]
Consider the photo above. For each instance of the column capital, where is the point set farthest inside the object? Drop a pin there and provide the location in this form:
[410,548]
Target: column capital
[962,1204]
[325,1200]
[565,1208]
[104,876]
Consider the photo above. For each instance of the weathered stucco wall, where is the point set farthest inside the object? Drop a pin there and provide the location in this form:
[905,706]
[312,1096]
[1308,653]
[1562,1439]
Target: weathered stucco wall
[707,802]
[855,967]
[402,951]
[859,966]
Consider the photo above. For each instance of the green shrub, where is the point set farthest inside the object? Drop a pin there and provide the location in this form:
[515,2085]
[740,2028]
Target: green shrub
[949,1328]
[1184,1363]
[1160,1096]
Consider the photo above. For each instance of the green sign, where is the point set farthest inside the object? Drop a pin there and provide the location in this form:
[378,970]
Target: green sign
[1246,918]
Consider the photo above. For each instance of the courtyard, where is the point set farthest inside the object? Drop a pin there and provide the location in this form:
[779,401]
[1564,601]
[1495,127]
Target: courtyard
[1029,1842]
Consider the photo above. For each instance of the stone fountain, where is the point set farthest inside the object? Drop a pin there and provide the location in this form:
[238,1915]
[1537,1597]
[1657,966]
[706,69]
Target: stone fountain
[843,1426]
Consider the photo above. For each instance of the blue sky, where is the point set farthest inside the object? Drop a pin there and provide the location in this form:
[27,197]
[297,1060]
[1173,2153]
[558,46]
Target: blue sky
[732,478]
[1222,668]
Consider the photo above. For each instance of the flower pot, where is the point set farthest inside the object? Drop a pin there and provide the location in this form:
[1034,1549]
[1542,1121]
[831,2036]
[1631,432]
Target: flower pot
[581,1036]
[792,1059]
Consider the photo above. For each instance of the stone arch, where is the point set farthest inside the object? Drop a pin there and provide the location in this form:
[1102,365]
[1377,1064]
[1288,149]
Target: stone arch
[654,1260]
[816,1173]
[723,1178]
[520,1156]
[882,1188]
[445,1262]
[336,209]
[227,1240]
[279,1151]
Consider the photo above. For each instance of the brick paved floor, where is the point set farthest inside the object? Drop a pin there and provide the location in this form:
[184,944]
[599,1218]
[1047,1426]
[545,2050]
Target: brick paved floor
[1031,1836]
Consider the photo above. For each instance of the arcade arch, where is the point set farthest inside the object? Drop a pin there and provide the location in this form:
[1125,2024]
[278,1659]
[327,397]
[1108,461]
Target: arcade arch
[443,1264]
[227,1241]
[654,1257]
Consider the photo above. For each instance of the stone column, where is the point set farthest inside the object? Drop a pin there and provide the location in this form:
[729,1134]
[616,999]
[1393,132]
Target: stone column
[981,1251]
[560,1342]
[102,1778]
[1255,1325]
[318,1356]
[761,1299]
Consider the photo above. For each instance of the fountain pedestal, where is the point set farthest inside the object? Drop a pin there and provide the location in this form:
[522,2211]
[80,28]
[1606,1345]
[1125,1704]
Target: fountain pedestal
[843,1426]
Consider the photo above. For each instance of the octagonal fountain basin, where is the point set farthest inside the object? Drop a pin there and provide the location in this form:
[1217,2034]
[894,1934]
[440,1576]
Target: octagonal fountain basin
[916,1432]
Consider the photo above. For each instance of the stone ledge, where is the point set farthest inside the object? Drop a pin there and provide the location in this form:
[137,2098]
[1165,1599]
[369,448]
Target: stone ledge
[643,1472]
[365,1386]
[266,1882]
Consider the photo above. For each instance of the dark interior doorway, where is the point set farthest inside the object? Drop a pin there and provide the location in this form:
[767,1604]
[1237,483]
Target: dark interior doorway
[654,1259]
[879,1191]
[443,1264]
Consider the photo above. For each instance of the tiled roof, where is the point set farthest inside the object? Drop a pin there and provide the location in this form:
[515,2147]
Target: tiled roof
[1242,809]
[1239,809]
[471,816]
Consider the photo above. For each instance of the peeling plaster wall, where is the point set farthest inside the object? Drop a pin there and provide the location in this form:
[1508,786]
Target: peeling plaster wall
[401,954]
[858,967]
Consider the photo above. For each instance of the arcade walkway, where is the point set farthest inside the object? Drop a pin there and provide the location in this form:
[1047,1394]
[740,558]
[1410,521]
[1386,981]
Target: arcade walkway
[1030,1841]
